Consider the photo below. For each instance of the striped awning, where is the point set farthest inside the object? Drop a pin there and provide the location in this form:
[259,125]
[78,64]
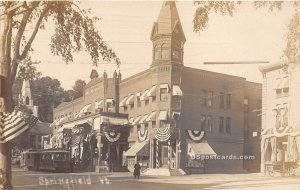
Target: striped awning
[138,94]
[99,104]
[163,115]
[151,117]
[130,100]
[143,120]
[138,149]
[176,91]
[14,124]
[136,120]
[144,95]
[152,91]
[200,149]
[131,120]
[123,102]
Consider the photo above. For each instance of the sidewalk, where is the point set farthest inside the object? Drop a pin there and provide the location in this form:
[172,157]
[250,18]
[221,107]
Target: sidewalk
[218,178]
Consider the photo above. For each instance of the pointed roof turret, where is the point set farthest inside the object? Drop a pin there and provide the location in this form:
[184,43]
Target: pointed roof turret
[168,21]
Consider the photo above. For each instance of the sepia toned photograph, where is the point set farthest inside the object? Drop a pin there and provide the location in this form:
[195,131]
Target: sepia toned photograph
[153,95]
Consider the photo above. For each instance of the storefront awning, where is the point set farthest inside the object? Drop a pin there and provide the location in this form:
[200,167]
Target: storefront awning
[138,94]
[200,149]
[99,104]
[143,120]
[109,100]
[123,102]
[151,117]
[138,149]
[131,120]
[164,86]
[176,91]
[163,115]
[144,95]
[136,120]
[113,120]
[130,100]
[152,91]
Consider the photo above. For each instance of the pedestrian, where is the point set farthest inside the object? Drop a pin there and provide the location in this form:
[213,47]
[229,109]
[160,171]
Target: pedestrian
[137,171]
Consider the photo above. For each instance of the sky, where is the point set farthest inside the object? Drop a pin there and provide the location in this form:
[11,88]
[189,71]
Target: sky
[250,35]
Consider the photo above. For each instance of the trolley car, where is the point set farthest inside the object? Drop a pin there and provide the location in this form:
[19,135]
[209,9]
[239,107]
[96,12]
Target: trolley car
[48,159]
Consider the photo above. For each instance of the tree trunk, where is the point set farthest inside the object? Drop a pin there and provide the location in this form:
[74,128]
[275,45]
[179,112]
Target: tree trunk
[5,100]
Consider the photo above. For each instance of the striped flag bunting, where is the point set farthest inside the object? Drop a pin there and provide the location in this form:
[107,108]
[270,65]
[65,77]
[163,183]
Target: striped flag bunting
[142,136]
[195,135]
[163,134]
[14,124]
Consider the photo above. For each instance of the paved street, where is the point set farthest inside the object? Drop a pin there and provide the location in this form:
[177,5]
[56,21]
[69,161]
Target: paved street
[34,180]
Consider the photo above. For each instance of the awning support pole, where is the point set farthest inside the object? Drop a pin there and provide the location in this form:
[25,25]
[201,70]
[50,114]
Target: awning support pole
[156,156]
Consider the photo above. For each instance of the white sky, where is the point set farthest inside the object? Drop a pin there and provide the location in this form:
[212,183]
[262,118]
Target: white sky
[251,35]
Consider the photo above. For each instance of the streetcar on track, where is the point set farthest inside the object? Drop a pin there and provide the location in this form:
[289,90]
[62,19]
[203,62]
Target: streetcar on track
[47,159]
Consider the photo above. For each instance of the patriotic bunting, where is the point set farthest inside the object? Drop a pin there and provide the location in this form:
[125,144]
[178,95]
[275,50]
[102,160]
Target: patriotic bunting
[195,135]
[163,134]
[14,124]
[142,136]
[112,136]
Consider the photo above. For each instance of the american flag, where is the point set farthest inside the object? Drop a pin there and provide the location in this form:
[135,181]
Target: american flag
[14,124]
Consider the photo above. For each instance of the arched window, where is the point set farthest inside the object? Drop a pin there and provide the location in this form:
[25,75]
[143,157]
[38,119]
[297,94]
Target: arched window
[27,100]
[165,51]
[176,54]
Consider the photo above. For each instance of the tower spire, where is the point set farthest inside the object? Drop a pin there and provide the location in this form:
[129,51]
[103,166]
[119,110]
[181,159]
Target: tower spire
[167,36]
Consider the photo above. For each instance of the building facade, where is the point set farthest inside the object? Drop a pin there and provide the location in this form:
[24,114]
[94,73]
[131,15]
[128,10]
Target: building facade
[177,113]
[280,121]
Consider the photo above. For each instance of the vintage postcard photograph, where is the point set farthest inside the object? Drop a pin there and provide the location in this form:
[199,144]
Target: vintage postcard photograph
[152,95]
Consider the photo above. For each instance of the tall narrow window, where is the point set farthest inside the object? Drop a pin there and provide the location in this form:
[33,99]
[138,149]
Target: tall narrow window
[228,101]
[228,125]
[203,122]
[204,97]
[222,100]
[163,94]
[165,51]
[221,125]
[246,105]
[210,99]
[209,123]
[156,52]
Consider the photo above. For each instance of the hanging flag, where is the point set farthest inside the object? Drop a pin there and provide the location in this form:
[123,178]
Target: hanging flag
[14,124]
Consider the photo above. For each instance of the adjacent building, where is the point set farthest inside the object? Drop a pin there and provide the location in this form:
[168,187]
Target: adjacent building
[280,139]
[177,118]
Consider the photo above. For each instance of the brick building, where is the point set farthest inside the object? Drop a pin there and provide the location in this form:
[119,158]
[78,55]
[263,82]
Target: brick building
[176,112]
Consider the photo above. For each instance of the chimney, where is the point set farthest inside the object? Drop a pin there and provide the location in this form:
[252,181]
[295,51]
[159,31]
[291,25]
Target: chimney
[117,91]
[105,85]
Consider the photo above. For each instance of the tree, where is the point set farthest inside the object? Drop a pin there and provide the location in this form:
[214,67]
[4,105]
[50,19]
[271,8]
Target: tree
[204,8]
[74,31]
[47,93]
[78,88]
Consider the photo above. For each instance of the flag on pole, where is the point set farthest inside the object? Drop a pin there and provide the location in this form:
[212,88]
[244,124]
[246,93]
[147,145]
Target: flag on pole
[14,124]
